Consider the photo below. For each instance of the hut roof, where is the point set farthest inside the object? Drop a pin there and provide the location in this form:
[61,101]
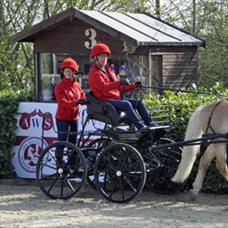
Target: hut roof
[140,28]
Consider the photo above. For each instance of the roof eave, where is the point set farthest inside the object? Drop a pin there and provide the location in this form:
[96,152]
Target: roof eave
[199,43]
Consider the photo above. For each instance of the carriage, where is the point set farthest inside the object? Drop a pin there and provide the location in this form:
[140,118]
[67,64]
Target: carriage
[119,163]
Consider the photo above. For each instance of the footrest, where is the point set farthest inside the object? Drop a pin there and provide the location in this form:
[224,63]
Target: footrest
[121,135]
[154,133]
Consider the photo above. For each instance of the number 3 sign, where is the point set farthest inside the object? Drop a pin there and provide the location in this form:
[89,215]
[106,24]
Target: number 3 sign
[91,34]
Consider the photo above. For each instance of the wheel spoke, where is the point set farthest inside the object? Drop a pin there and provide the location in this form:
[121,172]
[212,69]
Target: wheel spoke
[130,184]
[121,188]
[71,186]
[49,190]
[114,190]
[62,186]
[48,166]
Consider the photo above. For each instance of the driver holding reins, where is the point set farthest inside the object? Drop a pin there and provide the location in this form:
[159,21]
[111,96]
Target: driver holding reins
[106,86]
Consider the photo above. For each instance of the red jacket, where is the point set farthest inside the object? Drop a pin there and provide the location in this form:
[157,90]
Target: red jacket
[106,87]
[67,93]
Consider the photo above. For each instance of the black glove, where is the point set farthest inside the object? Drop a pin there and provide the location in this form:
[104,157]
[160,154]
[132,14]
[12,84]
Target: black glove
[124,81]
[138,84]
[81,101]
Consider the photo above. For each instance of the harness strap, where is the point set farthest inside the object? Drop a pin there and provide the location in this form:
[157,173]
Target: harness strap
[210,117]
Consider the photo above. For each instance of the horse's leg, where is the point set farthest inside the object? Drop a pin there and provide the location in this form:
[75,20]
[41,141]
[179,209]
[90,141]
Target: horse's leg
[221,160]
[205,161]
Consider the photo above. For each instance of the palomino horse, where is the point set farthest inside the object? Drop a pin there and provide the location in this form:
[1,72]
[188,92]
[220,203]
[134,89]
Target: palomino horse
[210,119]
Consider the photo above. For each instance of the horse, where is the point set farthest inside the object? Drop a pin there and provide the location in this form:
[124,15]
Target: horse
[207,119]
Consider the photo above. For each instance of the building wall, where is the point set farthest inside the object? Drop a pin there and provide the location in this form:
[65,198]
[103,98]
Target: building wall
[75,37]
[180,68]
[179,65]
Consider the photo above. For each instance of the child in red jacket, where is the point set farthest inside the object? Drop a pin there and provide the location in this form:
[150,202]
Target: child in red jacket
[69,95]
[105,85]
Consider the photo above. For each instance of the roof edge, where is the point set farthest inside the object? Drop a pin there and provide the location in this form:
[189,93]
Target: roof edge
[198,44]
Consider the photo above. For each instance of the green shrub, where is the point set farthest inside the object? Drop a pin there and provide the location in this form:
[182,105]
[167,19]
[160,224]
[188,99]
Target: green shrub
[9,101]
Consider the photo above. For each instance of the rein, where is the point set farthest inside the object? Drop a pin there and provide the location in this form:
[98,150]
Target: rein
[164,88]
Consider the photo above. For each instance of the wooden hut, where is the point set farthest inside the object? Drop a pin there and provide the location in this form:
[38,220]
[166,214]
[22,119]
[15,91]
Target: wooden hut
[157,53]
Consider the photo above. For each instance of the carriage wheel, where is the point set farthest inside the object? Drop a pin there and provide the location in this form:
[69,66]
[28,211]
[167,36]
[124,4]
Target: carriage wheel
[120,173]
[61,174]
[91,153]
[169,158]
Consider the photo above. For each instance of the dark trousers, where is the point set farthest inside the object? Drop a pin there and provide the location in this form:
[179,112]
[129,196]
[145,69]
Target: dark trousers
[130,106]
[66,132]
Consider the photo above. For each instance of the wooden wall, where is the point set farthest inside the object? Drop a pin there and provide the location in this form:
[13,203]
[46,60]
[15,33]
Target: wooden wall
[179,65]
[180,68]
[70,38]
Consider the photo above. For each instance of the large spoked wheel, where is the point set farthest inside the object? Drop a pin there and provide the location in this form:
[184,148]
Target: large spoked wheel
[169,159]
[120,173]
[91,153]
[61,170]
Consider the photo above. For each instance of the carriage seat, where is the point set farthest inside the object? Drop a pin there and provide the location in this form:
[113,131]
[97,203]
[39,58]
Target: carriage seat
[104,111]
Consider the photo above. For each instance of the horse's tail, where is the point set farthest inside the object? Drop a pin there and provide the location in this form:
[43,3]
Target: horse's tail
[194,130]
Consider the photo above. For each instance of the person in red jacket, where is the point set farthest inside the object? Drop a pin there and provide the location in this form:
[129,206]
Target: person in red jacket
[69,95]
[105,85]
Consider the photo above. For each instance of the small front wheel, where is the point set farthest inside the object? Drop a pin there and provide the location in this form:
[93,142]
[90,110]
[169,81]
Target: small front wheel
[91,153]
[169,159]
[61,170]
[120,173]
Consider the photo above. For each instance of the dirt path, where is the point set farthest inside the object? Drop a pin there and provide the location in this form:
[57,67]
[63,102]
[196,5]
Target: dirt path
[23,205]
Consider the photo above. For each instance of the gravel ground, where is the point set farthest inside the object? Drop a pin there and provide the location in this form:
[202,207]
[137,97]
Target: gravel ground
[22,204]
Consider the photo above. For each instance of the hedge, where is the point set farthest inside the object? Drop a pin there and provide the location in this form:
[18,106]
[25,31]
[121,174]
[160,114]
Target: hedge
[9,101]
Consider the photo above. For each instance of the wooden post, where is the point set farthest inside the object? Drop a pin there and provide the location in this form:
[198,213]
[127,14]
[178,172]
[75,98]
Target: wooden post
[37,75]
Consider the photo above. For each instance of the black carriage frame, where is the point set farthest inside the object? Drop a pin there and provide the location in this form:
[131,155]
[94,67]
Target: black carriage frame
[121,169]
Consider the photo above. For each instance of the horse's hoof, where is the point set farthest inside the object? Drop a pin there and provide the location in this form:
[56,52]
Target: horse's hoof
[193,196]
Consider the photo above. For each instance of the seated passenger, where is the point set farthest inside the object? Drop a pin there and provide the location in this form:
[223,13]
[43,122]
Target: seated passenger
[105,85]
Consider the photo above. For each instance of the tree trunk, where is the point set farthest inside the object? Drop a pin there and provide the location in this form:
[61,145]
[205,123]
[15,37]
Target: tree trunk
[158,9]
[46,10]
[193,17]
[1,16]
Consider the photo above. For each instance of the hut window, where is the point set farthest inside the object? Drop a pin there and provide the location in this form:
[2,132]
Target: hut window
[49,76]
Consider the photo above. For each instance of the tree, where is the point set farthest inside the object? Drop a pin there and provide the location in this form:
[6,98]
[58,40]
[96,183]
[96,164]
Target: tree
[206,19]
